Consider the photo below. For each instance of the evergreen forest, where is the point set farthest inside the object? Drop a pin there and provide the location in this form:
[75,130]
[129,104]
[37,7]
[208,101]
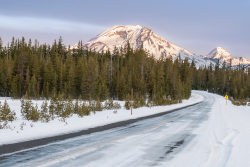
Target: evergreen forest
[36,70]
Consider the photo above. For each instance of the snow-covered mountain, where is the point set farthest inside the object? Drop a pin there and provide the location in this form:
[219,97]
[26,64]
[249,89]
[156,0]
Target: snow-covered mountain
[219,53]
[223,55]
[136,35]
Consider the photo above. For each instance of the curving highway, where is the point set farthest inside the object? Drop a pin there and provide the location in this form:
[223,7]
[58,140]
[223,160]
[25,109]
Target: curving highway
[158,140]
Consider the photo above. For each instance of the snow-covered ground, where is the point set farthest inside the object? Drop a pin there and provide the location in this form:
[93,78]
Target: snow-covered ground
[74,123]
[229,134]
[225,136]
[211,134]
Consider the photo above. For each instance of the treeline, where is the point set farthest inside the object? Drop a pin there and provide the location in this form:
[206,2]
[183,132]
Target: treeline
[39,69]
[235,83]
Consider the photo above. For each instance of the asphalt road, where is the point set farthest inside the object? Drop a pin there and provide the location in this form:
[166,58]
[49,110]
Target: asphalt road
[146,141]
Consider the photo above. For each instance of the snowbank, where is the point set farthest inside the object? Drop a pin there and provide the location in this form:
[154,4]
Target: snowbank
[56,127]
[229,134]
[221,140]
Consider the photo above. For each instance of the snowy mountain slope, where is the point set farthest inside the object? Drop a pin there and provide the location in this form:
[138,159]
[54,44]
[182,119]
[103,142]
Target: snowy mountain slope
[240,60]
[223,55]
[136,35]
[246,67]
[219,53]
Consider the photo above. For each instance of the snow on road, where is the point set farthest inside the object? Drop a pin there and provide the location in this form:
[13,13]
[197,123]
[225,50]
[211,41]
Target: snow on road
[211,134]
[74,124]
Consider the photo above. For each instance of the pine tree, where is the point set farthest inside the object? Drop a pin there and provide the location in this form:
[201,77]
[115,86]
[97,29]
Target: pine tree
[68,109]
[14,87]
[53,102]
[26,107]
[89,80]
[127,104]
[33,87]
[45,116]
[242,96]
[122,87]
[102,90]
[6,114]
[35,113]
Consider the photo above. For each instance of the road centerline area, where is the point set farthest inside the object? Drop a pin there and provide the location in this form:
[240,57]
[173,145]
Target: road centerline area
[16,147]
[88,149]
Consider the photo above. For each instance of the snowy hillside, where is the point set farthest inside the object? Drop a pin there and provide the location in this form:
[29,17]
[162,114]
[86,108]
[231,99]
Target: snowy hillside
[136,35]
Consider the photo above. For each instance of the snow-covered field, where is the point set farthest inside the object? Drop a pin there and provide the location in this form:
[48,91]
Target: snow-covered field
[74,123]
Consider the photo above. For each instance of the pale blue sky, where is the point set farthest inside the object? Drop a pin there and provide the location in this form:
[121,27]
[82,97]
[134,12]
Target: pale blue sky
[198,26]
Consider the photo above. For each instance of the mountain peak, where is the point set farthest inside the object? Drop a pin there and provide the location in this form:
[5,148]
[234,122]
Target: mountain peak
[220,49]
[118,36]
[219,53]
[129,27]
[223,55]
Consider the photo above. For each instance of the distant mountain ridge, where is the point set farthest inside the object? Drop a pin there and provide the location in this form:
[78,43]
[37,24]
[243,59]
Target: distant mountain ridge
[223,55]
[136,35]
